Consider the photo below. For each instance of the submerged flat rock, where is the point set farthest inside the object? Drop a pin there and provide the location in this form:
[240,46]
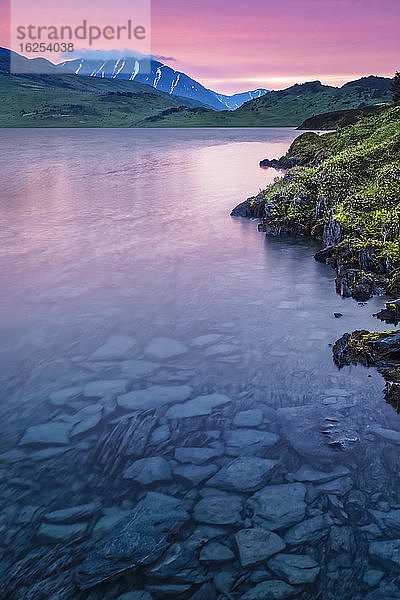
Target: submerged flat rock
[198,407]
[72,514]
[116,347]
[387,552]
[214,552]
[65,395]
[149,470]
[137,540]
[47,434]
[195,474]
[197,456]
[246,474]
[297,569]
[256,545]
[154,397]
[310,530]
[164,347]
[219,510]
[138,368]
[271,590]
[99,389]
[248,442]
[279,506]
[307,473]
[49,533]
[249,418]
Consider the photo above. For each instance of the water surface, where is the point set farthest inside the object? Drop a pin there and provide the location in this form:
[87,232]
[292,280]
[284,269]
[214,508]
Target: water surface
[128,233]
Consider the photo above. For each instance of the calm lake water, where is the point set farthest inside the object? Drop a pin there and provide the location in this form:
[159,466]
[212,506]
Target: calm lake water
[122,271]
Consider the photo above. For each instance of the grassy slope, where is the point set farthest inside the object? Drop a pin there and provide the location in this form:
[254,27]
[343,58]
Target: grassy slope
[277,109]
[358,180]
[71,101]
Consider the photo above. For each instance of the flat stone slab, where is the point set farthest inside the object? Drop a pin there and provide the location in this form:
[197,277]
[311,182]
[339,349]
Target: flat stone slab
[47,434]
[65,395]
[138,368]
[164,347]
[140,595]
[198,407]
[307,473]
[248,442]
[116,347]
[195,474]
[339,486]
[387,434]
[196,456]
[310,530]
[214,552]
[99,389]
[271,590]
[137,540]
[297,569]
[160,434]
[249,418]
[387,552]
[154,397]
[72,514]
[219,510]
[207,339]
[246,474]
[279,506]
[150,470]
[50,533]
[178,558]
[256,545]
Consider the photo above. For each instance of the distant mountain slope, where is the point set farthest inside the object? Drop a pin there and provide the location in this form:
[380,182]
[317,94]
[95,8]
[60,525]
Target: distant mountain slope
[159,76]
[289,107]
[235,101]
[61,99]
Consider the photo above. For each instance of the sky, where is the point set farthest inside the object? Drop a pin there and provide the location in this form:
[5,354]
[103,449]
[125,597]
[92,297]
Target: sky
[236,45]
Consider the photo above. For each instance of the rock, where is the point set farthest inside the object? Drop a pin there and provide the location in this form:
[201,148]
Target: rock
[307,473]
[138,368]
[196,456]
[279,506]
[372,577]
[205,340]
[72,514]
[248,442]
[168,590]
[206,592]
[195,474]
[99,389]
[203,534]
[387,552]
[57,534]
[198,407]
[270,590]
[224,580]
[137,540]
[387,520]
[147,471]
[387,434]
[139,595]
[339,487]
[295,568]
[159,435]
[338,315]
[154,397]
[310,530]
[215,552]
[66,395]
[163,347]
[111,516]
[88,418]
[54,433]
[246,474]
[116,347]
[178,558]
[257,544]
[249,418]
[219,510]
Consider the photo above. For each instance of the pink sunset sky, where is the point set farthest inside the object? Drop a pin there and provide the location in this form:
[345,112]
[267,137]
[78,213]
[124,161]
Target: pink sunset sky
[231,45]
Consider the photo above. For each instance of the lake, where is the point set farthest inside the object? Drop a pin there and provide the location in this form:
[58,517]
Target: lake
[160,357]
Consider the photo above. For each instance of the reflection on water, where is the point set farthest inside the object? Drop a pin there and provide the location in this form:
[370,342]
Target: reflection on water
[172,420]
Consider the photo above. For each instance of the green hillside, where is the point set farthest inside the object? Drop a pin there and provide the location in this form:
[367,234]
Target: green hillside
[285,108]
